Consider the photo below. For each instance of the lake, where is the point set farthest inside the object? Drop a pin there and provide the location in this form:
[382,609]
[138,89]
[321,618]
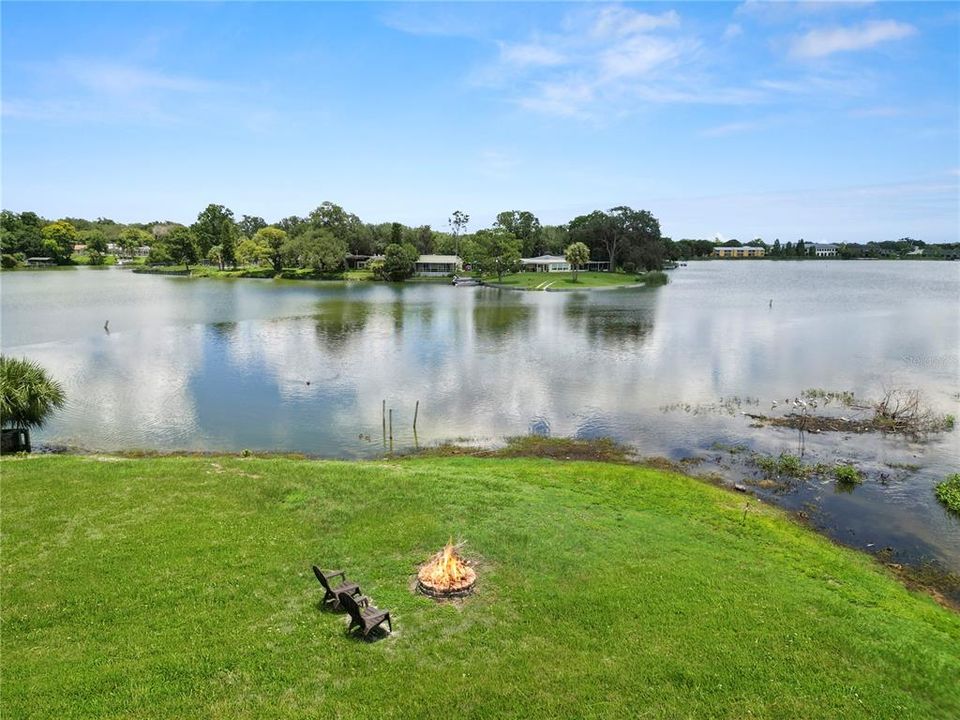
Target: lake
[195,364]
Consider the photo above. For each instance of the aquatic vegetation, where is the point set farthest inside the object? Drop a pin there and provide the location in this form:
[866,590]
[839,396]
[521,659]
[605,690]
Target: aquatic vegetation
[786,465]
[848,475]
[948,492]
[654,278]
[843,397]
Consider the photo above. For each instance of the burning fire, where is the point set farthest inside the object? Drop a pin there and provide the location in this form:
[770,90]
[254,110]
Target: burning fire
[446,571]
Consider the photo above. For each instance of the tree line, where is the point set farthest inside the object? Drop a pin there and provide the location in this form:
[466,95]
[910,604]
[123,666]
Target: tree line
[324,239]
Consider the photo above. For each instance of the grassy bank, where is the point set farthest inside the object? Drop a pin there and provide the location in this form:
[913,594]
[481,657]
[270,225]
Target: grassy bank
[181,587]
[564,281]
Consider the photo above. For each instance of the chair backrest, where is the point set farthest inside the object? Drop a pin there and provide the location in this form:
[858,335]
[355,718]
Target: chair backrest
[323,580]
[350,605]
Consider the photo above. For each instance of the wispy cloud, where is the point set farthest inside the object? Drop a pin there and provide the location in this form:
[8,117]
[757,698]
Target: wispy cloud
[790,10]
[92,90]
[732,30]
[617,21]
[602,60]
[878,112]
[734,128]
[827,41]
[530,54]
[119,79]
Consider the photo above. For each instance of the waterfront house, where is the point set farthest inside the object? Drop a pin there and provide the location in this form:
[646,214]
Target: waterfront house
[825,250]
[40,261]
[437,265]
[359,262]
[558,263]
[546,263]
[745,251]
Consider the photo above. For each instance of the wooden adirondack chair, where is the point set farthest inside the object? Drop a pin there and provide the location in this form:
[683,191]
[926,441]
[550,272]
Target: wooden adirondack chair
[365,618]
[330,593]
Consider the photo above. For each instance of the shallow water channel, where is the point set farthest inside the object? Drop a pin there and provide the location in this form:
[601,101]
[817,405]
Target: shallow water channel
[299,366]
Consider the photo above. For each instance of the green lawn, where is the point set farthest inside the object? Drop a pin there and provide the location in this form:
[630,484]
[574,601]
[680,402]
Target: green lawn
[181,587]
[564,281]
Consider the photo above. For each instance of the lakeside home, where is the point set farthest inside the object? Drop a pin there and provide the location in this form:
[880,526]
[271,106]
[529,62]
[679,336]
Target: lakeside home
[826,250]
[558,263]
[739,252]
[360,262]
[546,263]
[437,265]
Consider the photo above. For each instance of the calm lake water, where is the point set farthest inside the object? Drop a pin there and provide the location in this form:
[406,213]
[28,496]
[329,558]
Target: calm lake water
[298,366]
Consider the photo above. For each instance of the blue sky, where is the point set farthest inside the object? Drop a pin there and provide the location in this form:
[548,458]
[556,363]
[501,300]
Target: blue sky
[828,121]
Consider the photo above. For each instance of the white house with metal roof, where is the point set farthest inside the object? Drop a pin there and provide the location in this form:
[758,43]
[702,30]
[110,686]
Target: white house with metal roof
[546,263]
[437,265]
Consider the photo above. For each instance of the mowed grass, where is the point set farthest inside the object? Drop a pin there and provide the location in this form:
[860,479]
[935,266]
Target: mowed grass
[564,281]
[181,587]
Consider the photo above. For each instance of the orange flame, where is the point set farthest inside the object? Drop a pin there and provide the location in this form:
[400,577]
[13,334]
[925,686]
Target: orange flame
[447,571]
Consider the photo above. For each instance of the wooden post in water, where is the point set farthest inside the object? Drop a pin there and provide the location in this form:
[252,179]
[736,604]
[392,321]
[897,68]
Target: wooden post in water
[383,420]
[391,429]
[416,411]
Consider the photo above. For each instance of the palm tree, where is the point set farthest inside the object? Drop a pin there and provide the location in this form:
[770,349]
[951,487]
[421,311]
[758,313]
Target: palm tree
[27,397]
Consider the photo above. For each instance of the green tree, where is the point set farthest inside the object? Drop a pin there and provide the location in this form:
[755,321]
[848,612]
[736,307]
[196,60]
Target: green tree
[576,254]
[58,240]
[396,233]
[95,257]
[215,226]
[643,245]
[132,238]
[458,223]
[27,394]
[182,246]
[524,226]
[343,225]
[398,262]
[251,252]
[94,239]
[159,255]
[554,238]
[497,251]
[249,225]
[21,233]
[326,251]
[598,231]
[215,254]
[273,239]
[424,239]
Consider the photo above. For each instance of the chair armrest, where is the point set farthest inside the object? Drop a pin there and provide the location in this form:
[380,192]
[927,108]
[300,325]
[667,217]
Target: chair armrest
[334,573]
[363,601]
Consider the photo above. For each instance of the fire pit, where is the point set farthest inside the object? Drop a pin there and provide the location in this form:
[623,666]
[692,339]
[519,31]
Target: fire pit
[446,575]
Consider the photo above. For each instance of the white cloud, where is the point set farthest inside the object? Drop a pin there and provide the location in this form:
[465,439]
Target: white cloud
[733,128]
[530,54]
[640,54]
[567,98]
[617,21]
[732,30]
[787,11]
[602,61]
[827,41]
[116,78]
